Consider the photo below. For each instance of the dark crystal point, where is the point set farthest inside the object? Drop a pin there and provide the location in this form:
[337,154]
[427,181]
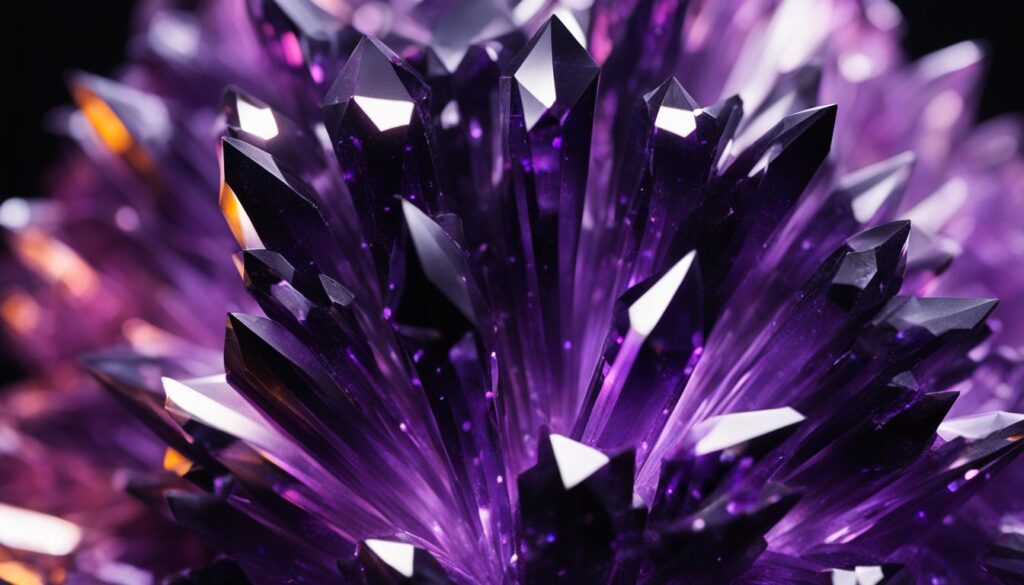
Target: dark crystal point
[793,91]
[547,108]
[252,120]
[649,357]
[718,455]
[255,194]
[388,562]
[575,513]
[431,281]
[931,488]
[439,316]
[869,267]
[664,177]
[756,192]
[377,114]
[128,121]
[914,327]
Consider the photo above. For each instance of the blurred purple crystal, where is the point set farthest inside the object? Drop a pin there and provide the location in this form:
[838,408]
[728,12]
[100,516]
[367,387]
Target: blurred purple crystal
[538,292]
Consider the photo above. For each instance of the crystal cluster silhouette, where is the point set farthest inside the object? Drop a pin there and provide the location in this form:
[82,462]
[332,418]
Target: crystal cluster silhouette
[522,309]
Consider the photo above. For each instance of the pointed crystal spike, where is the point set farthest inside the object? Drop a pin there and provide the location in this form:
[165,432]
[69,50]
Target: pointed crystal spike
[756,192]
[425,61]
[794,91]
[378,118]
[470,134]
[871,269]
[663,178]
[717,455]
[731,430]
[859,200]
[576,462]
[547,107]
[441,261]
[551,74]
[249,119]
[936,315]
[213,402]
[928,257]
[978,426]
[390,562]
[649,357]
[264,267]
[451,27]
[876,190]
[575,505]
[728,114]
[256,191]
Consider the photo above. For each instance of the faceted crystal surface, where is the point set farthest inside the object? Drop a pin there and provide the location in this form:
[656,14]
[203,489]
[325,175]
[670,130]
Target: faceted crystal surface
[519,292]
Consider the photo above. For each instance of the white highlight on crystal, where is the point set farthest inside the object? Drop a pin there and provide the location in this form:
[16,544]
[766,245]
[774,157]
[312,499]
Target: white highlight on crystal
[572,24]
[36,532]
[537,73]
[729,430]
[426,239]
[15,213]
[950,59]
[211,411]
[869,575]
[256,120]
[676,120]
[866,204]
[937,209]
[856,66]
[450,115]
[399,556]
[384,113]
[645,313]
[576,461]
[526,10]
[977,426]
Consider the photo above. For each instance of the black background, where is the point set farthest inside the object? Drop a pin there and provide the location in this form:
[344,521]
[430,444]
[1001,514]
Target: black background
[45,38]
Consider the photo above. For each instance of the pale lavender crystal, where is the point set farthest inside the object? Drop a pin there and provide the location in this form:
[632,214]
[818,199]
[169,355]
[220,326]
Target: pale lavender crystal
[553,292]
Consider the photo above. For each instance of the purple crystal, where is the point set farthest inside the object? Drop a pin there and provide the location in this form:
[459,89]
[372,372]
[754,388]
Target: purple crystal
[532,300]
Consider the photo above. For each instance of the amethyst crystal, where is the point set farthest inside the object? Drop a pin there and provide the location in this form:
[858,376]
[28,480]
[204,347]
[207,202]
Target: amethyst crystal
[538,292]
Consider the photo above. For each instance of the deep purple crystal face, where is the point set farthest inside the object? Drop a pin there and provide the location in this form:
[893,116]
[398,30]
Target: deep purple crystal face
[558,292]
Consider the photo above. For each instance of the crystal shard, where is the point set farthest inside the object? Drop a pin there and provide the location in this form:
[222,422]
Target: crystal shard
[377,115]
[575,509]
[514,317]
[387,562]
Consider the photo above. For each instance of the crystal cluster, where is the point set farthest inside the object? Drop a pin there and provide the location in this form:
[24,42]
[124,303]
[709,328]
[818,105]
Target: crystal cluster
[541,292]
